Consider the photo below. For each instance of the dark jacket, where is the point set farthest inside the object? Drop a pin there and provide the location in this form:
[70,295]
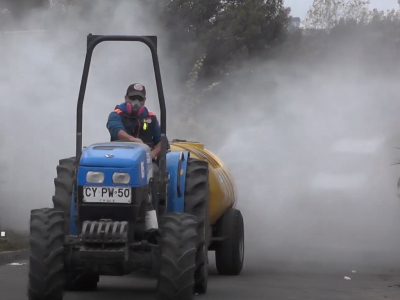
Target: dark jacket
[145,127]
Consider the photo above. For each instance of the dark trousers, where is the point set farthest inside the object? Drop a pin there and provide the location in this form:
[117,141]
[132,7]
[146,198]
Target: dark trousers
[156,170]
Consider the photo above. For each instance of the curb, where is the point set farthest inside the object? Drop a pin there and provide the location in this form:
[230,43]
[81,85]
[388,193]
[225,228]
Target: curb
[7,257]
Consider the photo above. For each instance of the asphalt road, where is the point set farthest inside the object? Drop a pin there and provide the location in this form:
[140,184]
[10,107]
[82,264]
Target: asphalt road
[273,284]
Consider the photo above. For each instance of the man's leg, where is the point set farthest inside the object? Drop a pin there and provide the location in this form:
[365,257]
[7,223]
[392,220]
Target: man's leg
[156,185]
[151,215]
[156,170]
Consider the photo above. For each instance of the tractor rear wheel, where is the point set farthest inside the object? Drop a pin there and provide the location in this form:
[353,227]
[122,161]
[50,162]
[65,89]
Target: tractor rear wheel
[46,257]
[229,253]
[196,203]
[178,256]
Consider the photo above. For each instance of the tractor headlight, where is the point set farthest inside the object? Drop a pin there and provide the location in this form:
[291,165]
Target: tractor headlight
[123,178]
[95,177]
[3,234]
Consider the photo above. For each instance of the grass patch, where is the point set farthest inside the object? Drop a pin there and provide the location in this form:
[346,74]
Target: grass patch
[15,240]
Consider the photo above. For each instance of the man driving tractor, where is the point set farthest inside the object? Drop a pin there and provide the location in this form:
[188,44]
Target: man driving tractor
[132,121]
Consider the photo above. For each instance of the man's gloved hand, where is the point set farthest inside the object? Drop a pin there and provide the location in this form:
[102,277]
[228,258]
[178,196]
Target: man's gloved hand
[153,155]
[136,140]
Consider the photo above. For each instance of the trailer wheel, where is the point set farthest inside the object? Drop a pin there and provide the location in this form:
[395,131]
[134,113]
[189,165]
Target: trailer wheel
[229,253]
[196,203]
[46,257]
[178,256]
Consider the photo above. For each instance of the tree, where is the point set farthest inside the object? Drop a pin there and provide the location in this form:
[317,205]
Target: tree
[20,9]
[225,32]
[326,14]
[188,22]
[242,30]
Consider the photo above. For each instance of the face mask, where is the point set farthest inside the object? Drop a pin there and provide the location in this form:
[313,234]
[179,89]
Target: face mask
[133,107]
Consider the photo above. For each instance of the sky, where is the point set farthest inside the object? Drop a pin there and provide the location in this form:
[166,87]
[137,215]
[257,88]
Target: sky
[300,7]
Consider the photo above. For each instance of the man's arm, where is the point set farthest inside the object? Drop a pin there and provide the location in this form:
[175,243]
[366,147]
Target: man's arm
[156,151]
[117,129]
[157,139]
[122,135]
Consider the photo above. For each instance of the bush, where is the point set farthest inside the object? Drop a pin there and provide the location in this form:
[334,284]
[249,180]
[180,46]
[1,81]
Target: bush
[14,241]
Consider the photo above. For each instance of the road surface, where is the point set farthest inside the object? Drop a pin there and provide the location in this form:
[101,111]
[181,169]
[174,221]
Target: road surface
[273,284]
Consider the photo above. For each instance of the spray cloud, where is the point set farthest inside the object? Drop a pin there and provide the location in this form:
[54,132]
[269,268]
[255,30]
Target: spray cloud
[306,193]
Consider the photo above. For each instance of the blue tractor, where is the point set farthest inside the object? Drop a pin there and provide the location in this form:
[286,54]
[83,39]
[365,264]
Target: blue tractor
[116,211]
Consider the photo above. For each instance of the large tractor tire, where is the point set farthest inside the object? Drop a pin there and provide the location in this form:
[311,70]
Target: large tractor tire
[178,257]
[64,183]
[196,203]
[229,253]
[46,257]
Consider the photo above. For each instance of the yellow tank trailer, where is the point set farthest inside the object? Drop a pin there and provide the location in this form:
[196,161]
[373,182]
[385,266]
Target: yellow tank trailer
[226,222]
[222,187]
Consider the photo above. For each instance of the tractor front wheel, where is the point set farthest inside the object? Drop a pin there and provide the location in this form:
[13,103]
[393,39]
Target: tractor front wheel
[178,256]
[46,257]
[64,184]
[62,201]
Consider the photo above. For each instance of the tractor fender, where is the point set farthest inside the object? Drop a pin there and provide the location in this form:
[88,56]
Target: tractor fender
[176,167]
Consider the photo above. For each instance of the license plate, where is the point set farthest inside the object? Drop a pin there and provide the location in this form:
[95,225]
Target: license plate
[95,194]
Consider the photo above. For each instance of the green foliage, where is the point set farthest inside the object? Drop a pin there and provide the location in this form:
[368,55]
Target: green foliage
[326,14]
[345,30]
[227,33]
[194,74]
[14,241]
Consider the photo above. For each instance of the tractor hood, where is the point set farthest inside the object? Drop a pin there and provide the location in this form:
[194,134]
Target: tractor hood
[115,154]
